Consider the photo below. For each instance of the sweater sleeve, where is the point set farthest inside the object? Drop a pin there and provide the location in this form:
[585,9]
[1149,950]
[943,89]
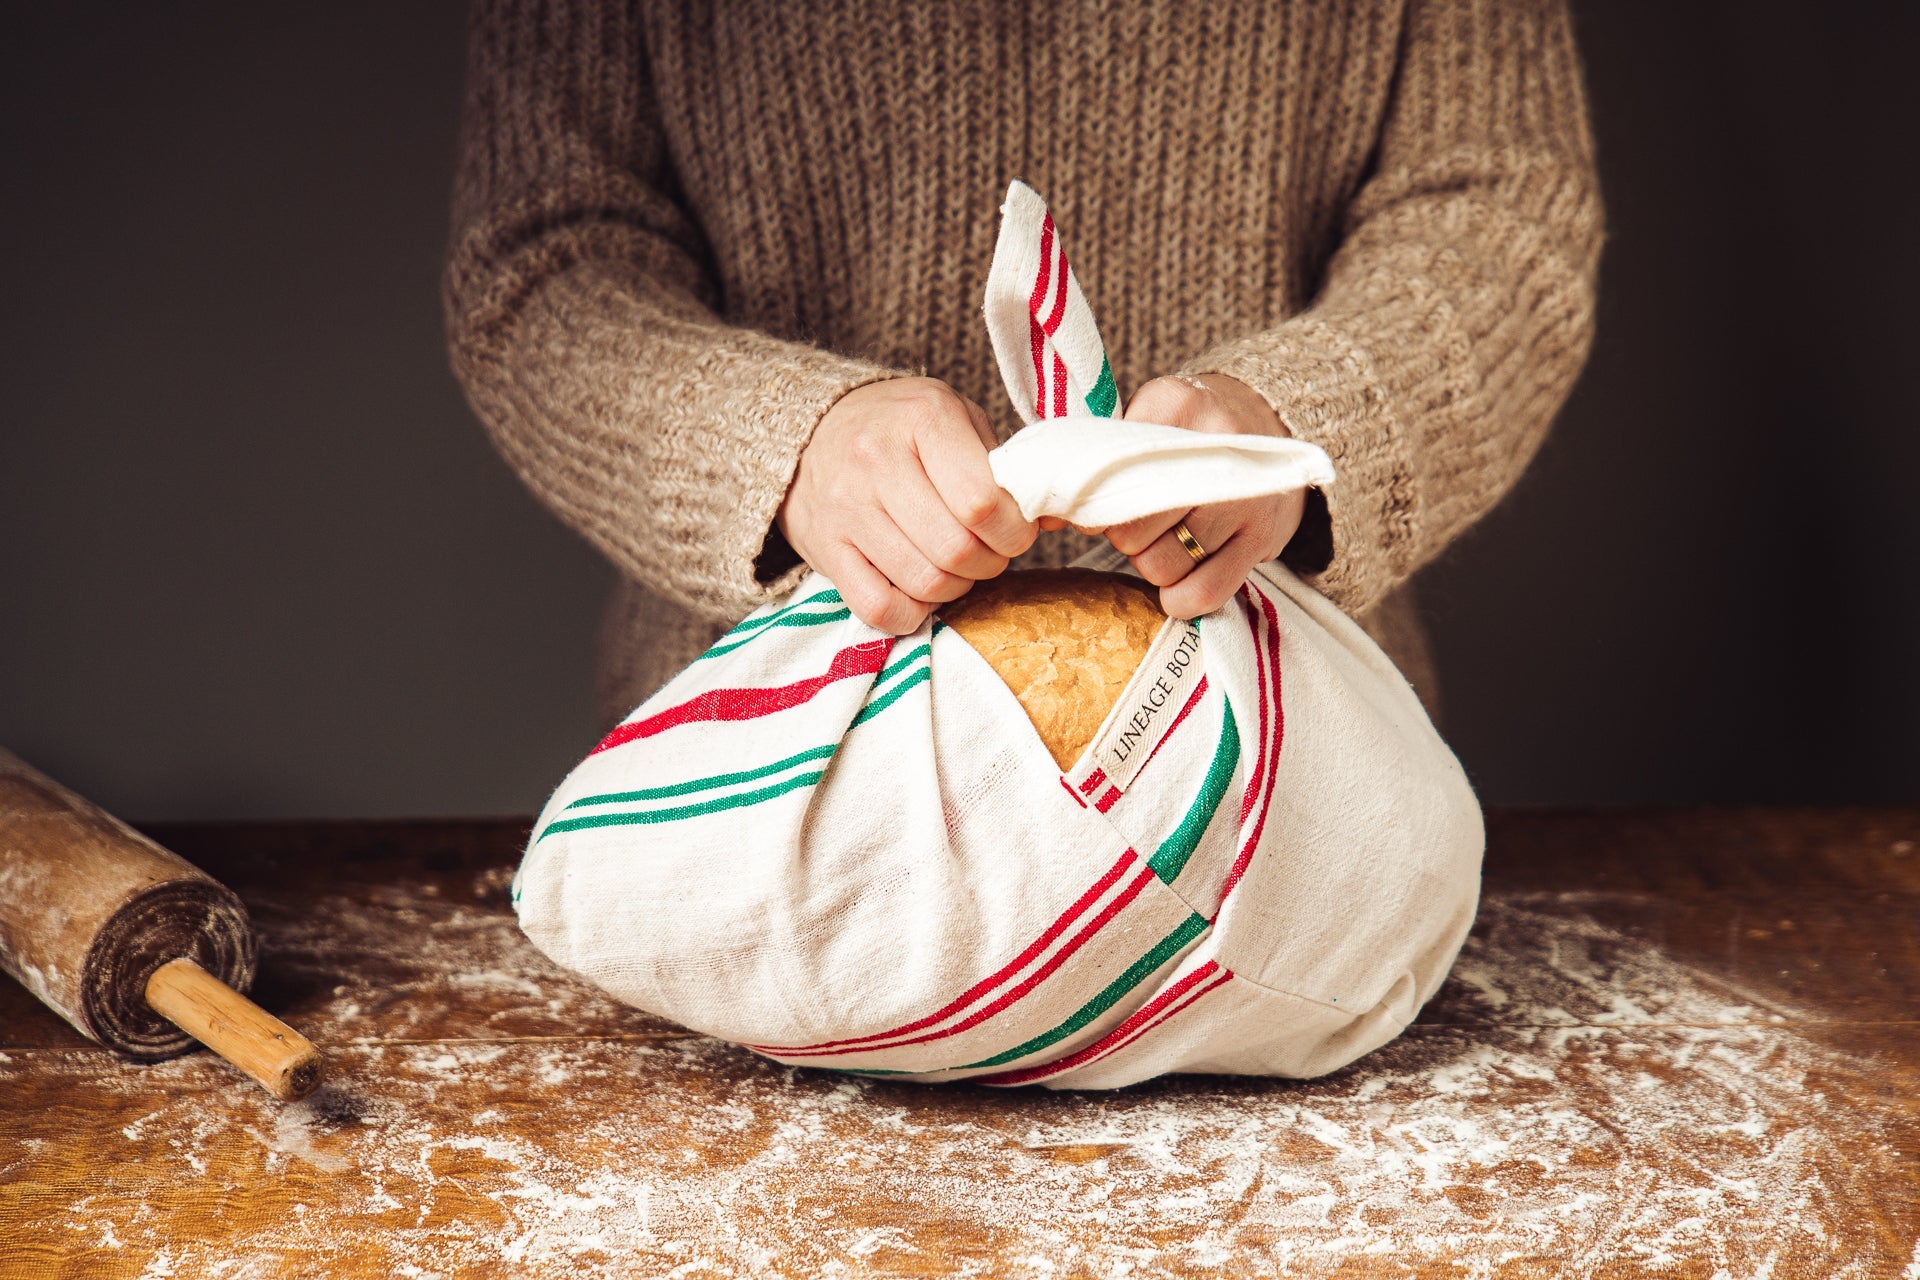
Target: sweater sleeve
[581,317]
[1458,309]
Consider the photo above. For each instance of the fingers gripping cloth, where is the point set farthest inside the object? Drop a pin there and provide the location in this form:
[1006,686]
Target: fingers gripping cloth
[846,849]
[1072,460]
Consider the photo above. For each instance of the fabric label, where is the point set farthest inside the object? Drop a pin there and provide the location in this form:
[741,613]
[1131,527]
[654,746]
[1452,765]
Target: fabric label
[1152,703]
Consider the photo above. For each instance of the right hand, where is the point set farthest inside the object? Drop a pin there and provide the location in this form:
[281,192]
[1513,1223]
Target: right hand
[895,502]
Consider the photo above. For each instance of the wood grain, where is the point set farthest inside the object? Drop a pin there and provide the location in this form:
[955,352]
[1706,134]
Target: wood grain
[1679,1043]
[267,1050]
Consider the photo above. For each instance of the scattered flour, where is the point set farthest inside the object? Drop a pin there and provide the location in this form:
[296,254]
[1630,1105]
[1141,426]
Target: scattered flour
[1595,1107]
[439,961]
[292,1137]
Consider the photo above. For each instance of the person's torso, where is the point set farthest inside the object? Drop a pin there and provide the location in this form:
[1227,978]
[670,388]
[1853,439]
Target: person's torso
[846,160]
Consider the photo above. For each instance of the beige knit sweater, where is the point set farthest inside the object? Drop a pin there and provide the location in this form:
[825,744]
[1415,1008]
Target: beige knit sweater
[680,232]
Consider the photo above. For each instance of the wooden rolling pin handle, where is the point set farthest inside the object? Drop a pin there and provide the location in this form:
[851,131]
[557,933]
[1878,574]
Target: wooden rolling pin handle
[283,1061]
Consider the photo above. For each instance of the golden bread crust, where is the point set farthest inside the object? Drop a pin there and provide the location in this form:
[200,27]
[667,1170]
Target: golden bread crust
[1066,641]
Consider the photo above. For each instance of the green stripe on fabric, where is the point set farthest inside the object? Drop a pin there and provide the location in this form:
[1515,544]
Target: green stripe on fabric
[787,620]
[829,596]
[1102,400]
[632,817]
[919,651]
[707,783]
[892,696]
[1164,950]
[1169,859]
[918,675]
[878,701]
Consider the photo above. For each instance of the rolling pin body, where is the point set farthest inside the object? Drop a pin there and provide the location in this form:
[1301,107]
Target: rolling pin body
[90,908]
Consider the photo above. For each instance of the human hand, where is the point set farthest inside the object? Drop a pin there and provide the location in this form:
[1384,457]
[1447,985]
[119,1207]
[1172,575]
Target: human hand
[1235,535]
[895,502]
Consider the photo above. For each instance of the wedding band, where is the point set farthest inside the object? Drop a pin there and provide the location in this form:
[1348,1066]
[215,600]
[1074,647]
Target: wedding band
[1191,543]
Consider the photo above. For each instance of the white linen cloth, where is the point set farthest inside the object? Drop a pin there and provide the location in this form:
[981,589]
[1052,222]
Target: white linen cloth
[846,849]
[1096,472]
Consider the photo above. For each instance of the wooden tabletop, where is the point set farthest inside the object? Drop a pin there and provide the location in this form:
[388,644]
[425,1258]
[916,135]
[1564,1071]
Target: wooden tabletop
[1678,1043]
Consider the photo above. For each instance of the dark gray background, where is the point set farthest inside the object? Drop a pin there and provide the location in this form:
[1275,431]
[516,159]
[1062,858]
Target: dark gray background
[256,558]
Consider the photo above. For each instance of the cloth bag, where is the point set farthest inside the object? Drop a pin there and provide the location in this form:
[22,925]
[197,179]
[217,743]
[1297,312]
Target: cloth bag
[844,849]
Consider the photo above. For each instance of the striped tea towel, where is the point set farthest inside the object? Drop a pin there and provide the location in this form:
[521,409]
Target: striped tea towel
[846,849]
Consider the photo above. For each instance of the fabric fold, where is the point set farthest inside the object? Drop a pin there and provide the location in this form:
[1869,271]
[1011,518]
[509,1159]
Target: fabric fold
[1093,472]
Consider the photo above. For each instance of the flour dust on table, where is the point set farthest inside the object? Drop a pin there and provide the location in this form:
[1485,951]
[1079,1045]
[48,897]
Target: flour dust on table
[1615,1110]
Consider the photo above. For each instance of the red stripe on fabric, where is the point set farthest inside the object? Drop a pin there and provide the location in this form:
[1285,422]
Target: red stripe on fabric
[1260,670]
[1093,780]
[981,988]
[1226,976]
[1075,794]
[1273,770]
[1039,374]
[1059,386]
[1108,799]
[749,704]
[1129,1030]
[1193,700]
[1035,301]
[1255,620]
[1042,284]
[1016,993]
[1059,311]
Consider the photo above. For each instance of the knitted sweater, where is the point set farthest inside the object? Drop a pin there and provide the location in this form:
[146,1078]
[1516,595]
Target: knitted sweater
[682,231]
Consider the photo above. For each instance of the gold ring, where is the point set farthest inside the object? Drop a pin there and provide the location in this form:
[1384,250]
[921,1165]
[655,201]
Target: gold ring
[1191,543]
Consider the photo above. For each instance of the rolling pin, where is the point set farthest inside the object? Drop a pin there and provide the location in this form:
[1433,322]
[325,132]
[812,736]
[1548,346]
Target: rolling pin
[136,947]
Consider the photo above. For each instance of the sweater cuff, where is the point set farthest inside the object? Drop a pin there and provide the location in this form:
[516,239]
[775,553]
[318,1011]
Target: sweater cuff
[1324,388]
[765,566]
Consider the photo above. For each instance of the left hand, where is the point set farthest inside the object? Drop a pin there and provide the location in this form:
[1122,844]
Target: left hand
[1235,535]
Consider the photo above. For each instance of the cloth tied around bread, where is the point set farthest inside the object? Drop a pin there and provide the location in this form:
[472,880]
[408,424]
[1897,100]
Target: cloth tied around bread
[1052,836]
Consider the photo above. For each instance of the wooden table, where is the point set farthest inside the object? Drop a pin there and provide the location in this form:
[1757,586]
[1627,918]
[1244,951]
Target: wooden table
[1679,1043]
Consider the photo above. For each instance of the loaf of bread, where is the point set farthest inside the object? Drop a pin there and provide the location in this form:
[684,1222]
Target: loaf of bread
[1066,641]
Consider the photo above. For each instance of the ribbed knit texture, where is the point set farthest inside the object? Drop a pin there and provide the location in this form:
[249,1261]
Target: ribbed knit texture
[681,232]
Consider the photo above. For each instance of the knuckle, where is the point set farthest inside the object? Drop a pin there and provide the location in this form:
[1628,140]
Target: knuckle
[903,616]
[932,402]
[869,604]
[870,447]
[954,551]
[925,583]
[977,505]
[887,611]
[1160,572]
[843,492]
